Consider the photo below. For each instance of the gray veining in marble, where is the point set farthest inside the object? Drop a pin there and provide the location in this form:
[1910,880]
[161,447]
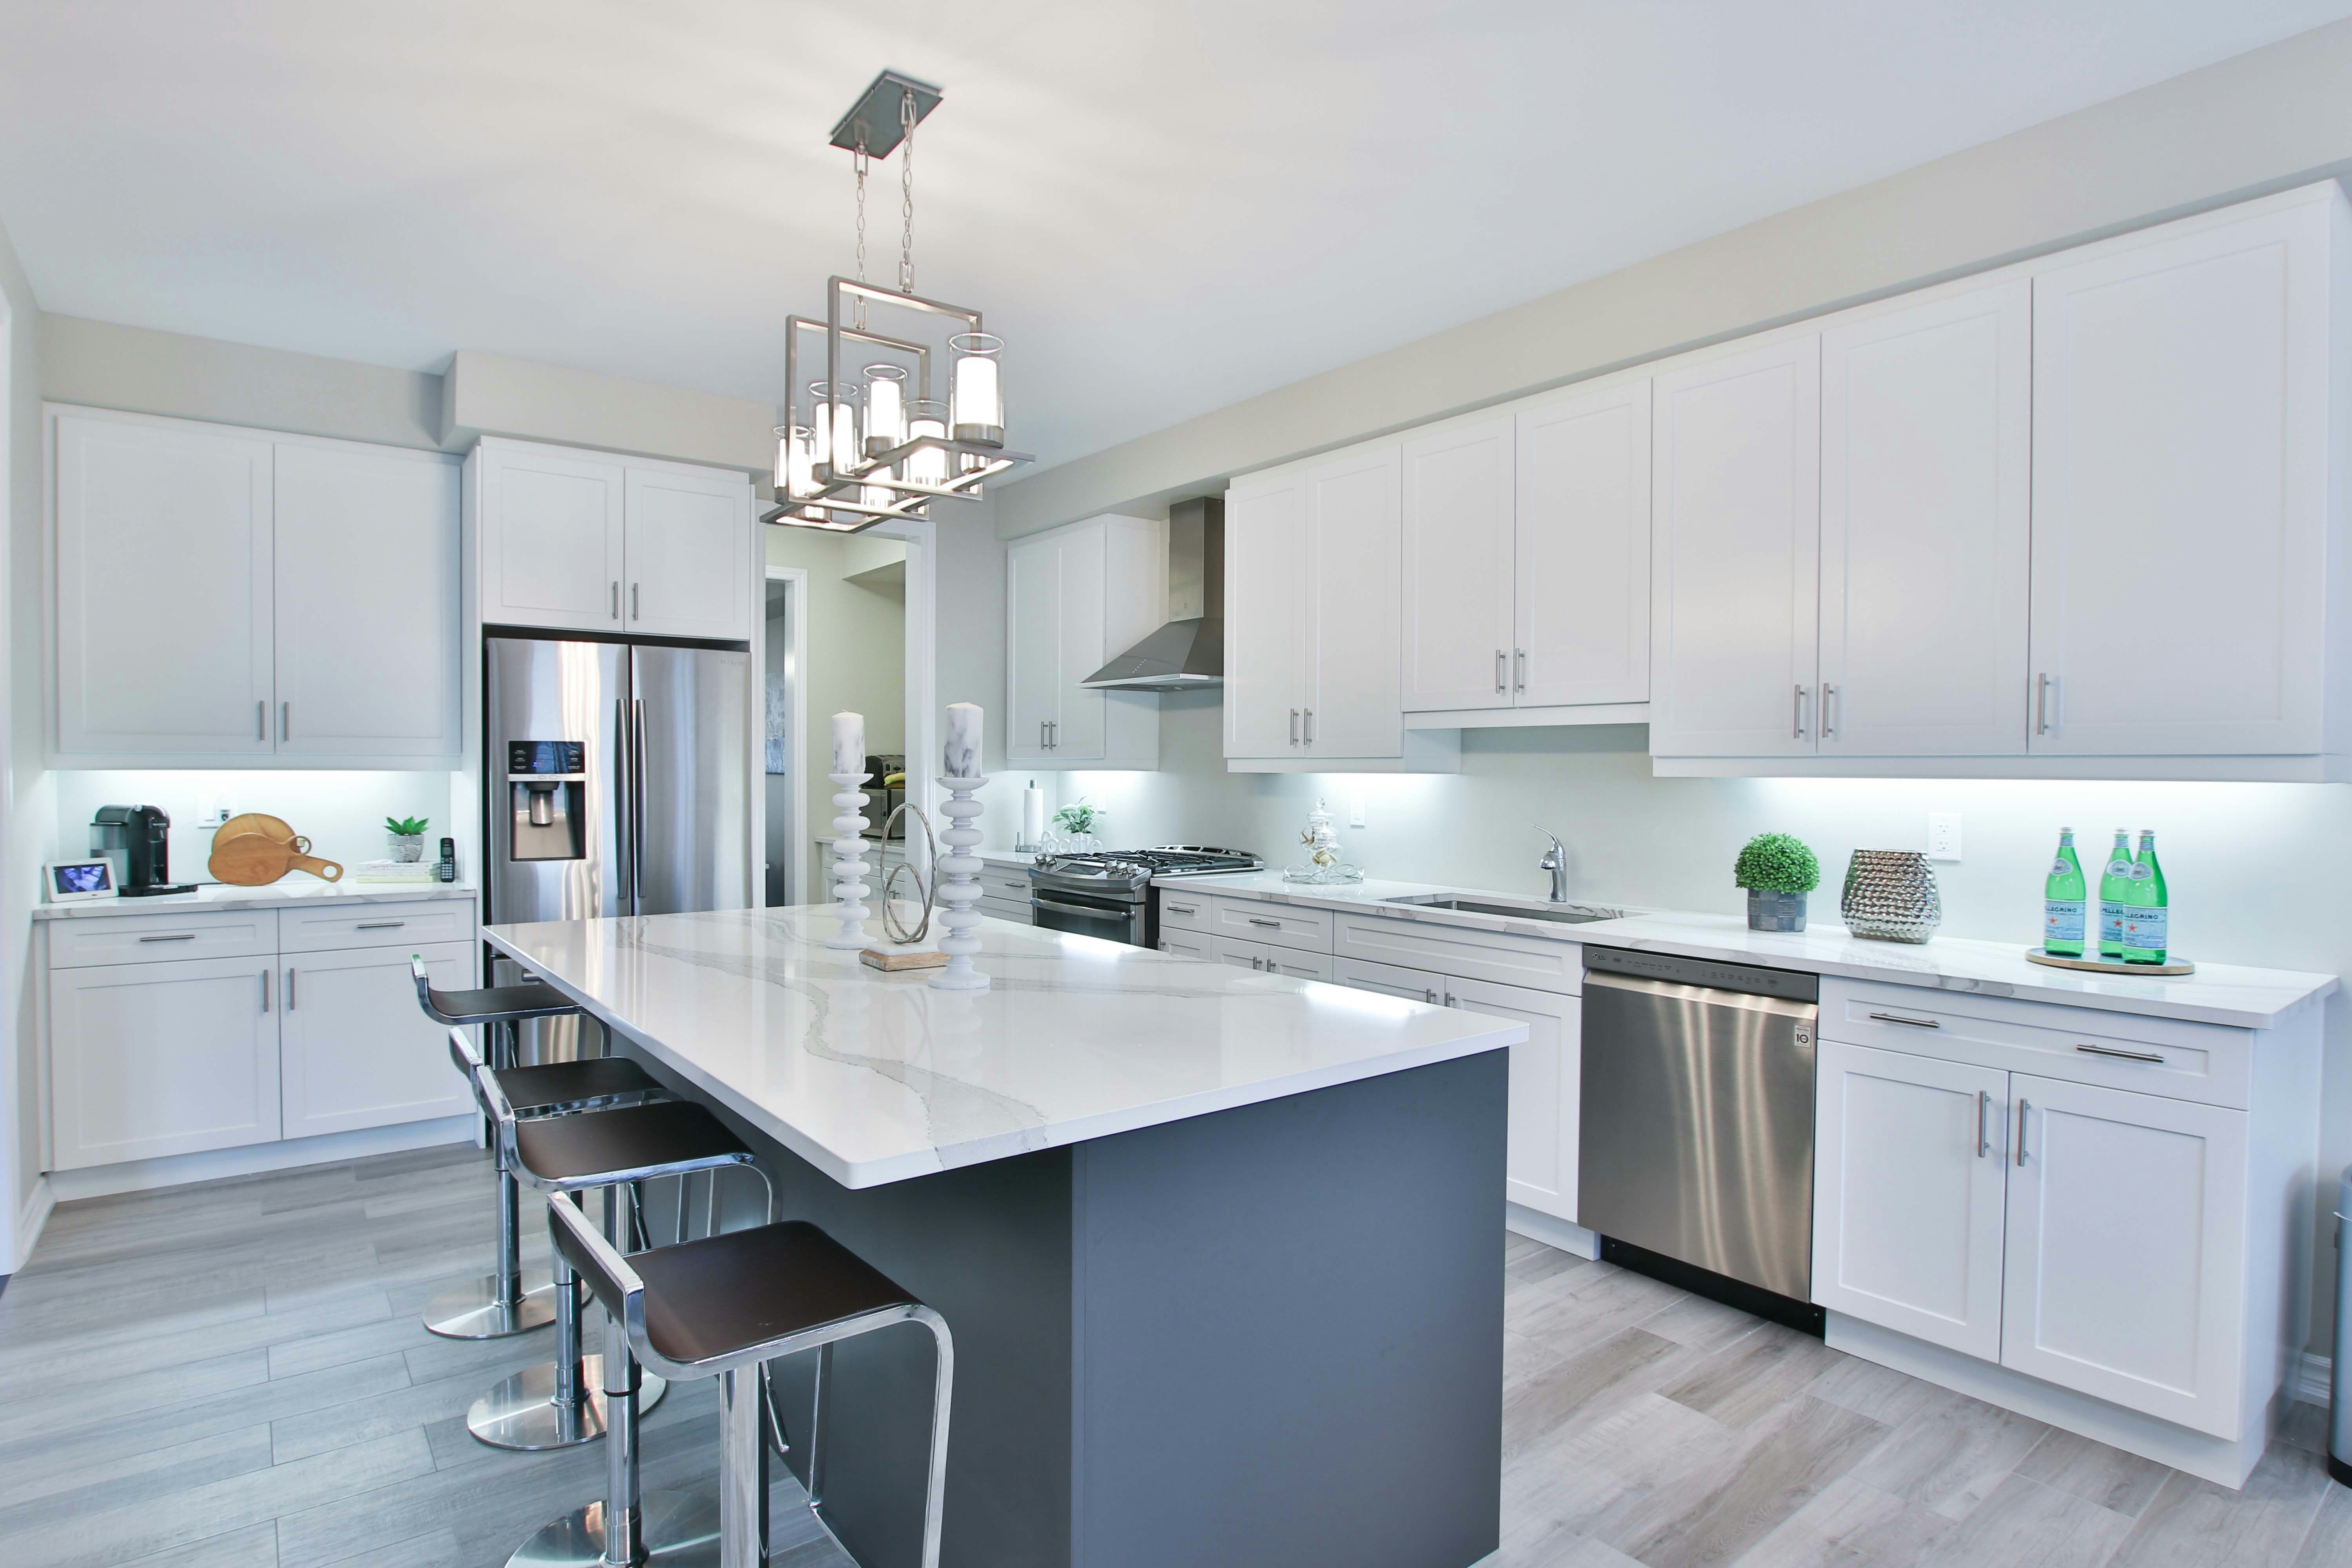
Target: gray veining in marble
[282,895]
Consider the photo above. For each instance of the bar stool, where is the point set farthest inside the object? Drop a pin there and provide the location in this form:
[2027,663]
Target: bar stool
[721,1307]
[561,1156]
[508,1301]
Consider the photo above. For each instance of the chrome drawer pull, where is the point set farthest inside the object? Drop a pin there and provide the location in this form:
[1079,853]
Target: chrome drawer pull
[1899,1018]
[379,925]
[2127,1055]
[184,936]
[1270,925]
[1984,1103]
[2021,1109]
[1183,910]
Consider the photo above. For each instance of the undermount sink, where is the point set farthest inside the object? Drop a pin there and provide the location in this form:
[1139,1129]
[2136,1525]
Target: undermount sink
[1521,911]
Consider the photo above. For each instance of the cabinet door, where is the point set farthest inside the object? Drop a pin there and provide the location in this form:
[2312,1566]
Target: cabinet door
[1908,1182]
[150,1059]
[1355,695]
[1926,448]
[1735,586]
[1235,953]
[687,541]
[1078,736]
[2180,492]
[1032,651]
[1265,617]
[1459,568]
[1393,980]
[1583,600]
[552,539]
[366,602]
[356,1051]
[1547,1080]
[163,588]
[1190,944]
[2126,1248]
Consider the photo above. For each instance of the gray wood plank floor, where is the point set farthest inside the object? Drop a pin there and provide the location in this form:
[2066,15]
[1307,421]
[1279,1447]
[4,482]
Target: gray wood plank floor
[232,1374]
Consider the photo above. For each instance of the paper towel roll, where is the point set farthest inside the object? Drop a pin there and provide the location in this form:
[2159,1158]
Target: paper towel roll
[1033,814]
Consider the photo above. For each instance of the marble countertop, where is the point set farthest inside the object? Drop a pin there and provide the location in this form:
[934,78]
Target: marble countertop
[2225,993]
[276,896]
[875,1078]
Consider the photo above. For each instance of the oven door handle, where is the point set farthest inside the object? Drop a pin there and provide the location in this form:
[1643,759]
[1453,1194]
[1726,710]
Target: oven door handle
[1089,910]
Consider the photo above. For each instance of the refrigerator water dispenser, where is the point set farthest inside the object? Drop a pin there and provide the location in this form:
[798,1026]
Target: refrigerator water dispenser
[546,780]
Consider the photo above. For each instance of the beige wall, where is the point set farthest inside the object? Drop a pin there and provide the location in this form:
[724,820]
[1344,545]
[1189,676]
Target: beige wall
[857,642]
[26,835]
[2260,122]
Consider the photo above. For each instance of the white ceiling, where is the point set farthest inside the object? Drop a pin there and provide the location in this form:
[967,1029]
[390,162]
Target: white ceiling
[1164,207]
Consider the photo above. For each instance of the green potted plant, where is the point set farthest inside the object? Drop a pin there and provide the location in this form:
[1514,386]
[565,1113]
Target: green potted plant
[1777,871]
[1078,818]
[407,836]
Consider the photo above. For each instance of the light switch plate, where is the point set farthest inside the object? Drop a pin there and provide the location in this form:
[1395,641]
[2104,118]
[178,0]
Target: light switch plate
[1943,836]
[1356,814]
[210,812]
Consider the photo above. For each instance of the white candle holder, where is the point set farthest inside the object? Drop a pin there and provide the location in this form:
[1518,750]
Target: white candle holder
[849,887]
[957,874]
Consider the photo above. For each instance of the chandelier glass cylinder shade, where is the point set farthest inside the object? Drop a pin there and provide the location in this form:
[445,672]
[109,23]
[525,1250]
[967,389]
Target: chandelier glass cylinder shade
[910,408]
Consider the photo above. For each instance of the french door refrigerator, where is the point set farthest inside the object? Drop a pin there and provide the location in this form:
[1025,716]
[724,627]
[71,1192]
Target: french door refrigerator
[619,779]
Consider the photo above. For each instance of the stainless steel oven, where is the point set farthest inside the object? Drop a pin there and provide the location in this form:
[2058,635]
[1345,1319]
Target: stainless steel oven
[1110,895]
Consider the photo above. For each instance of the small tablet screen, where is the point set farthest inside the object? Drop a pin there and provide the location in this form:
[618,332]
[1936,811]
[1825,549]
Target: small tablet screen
[89,877]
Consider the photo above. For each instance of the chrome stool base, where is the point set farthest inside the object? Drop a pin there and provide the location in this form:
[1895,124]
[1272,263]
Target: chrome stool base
[473,1311]
[522,1411]
[678,1530]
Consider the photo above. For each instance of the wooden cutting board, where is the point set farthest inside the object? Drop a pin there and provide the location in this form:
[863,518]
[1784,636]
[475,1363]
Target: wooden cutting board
[264,824]
[255,860]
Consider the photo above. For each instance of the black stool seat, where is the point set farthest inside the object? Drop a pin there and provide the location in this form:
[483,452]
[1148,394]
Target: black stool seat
[580,1086]
[668,1138]
[498,1003]
[727,1293]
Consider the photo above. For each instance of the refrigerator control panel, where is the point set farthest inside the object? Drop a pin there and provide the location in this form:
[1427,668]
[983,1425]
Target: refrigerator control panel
[560,758]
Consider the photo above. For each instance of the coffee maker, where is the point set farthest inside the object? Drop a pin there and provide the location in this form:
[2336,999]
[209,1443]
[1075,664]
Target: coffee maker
[136,838]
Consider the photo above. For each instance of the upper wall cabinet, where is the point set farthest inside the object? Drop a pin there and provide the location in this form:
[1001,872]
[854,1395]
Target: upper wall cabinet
[234,598]
[585,541]
[1526,564]
[1077,597]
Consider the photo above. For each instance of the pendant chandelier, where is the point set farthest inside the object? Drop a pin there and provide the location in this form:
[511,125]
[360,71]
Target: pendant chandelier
[910,408]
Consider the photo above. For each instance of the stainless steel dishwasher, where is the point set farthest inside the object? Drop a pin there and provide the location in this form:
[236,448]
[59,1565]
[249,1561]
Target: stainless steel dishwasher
[1696,1135]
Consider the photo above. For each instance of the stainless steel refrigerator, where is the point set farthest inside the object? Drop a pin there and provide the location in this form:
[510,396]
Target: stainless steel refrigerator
[620,779]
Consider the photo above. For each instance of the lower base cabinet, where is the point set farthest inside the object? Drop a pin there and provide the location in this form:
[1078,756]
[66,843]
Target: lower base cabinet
[354,1047]
[152,1060]
[1266,959]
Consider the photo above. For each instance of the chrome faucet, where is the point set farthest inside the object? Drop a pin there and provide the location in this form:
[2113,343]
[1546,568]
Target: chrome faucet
[1555,860]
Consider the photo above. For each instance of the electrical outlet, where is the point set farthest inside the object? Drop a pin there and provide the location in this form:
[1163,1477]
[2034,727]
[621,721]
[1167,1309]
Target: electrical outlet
[1356,814]
[1943,836]
[210,812]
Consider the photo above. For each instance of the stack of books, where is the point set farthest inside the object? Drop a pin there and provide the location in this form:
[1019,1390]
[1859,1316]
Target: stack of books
[394,871]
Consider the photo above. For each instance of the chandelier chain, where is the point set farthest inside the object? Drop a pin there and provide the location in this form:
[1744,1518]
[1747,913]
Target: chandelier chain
[906,193]
[857,162]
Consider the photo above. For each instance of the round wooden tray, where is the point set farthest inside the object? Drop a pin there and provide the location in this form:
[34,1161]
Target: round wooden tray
[2108,966]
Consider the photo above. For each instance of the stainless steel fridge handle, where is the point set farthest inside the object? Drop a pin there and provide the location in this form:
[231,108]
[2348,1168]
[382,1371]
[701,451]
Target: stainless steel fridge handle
[637,807]
[623,875]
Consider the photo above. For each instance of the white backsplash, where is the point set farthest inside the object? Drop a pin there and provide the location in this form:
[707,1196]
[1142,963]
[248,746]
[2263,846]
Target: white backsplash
[341,813]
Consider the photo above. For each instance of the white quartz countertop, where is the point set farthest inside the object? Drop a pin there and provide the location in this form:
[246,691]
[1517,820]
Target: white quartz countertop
[875,1078]
[276,896]
[2226,993]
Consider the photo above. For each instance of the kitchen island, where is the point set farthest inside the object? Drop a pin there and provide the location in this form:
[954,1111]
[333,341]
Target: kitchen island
[1222,1252]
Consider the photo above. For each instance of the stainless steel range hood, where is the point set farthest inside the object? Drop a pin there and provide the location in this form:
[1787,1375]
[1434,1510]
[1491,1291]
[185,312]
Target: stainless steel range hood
[1189,652]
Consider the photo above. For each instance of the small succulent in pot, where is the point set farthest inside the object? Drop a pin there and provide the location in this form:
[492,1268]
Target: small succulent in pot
[407,836]
[1777,871]
[1079,818]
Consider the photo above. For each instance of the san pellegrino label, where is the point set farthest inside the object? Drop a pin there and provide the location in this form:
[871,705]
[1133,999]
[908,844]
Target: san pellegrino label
[2114,883]
[2147,914]
[2064,901]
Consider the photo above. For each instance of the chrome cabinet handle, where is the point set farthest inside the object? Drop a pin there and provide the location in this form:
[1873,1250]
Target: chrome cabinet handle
[1500,682]
[289,991]
[1522,662]
[1183,910]
[2127,1055]
[616,598]
[634,613]
[2021,1131]
[286,720]
[1310,725]
[184,936]
[1270,925]
[1899,1018]
[261,720]
[379,925]
[1430,996]
[2041,705]
[1828,729]
[265,990]
[1797,720]
[1257,964]
[1294,726]
[1984,1106]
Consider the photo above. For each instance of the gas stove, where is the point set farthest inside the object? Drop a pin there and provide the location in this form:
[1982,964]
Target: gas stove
[1109,893]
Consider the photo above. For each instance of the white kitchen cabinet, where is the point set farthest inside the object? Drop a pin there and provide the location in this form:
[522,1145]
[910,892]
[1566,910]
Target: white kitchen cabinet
[1191,944]
[163,612]
[1735,585]
[584,542]
[1457,517]
[354,1051]
[1393,980]
[1264,958]
[1582,526]
[1077,597]
[1925,525]
[149,1059]
[1547,1078]
[687,545]
[2126,1249]
[366,598]
[2181,487]
[1910,1162]
[1267,563]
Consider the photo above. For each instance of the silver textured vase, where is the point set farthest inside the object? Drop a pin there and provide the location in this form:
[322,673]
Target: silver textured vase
[1890,895]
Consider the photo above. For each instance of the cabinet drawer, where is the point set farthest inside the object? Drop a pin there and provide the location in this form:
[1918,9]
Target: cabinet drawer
[1266,959]
[1389,980]
[2203,1062]
[1504,957]
[1284,925]
[1184,911]
[1189,945]
[159,938]
[1008,884]
[409,925]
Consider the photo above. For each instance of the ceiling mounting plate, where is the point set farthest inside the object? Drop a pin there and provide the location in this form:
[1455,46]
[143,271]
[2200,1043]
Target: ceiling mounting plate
[874,115]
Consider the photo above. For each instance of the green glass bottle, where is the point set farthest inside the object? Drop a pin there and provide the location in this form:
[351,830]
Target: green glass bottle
[2064,901]
[2113,884]
[2147,909]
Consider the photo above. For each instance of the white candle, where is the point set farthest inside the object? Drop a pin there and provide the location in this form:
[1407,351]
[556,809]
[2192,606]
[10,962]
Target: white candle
[963,740]
[849,744]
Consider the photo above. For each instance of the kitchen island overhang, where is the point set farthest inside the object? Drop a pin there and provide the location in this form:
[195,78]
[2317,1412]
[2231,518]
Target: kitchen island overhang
[1222,1251]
